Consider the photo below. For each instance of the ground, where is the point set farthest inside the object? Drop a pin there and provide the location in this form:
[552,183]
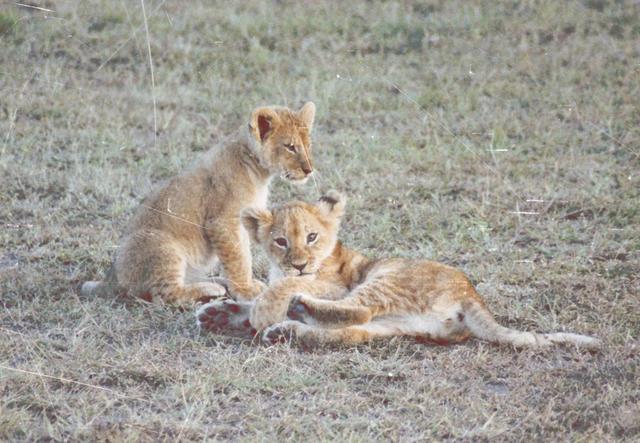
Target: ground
[499,137]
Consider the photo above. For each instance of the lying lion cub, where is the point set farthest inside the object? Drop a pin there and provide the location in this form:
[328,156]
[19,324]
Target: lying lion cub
[332,294]
[183,228]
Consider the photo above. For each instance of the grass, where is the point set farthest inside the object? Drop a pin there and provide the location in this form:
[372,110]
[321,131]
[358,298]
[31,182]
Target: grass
[499,137]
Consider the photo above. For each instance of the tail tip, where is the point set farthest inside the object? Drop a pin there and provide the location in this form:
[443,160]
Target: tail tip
[588,342]
[594,343]
[583,341]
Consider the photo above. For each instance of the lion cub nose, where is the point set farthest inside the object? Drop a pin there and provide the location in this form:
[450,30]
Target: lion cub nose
[299,267]
[307,170]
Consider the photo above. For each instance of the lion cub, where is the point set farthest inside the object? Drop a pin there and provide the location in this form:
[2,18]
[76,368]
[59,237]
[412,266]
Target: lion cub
[332,294]
[186,226]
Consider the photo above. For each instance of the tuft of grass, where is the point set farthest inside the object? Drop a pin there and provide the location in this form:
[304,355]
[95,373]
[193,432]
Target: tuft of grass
[109,20]
[8,24]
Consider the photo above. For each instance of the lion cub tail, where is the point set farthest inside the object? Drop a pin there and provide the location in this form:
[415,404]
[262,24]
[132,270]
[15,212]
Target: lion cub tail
[482,325]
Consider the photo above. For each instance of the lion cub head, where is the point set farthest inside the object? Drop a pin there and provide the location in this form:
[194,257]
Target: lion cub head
[297,236]
[283,140]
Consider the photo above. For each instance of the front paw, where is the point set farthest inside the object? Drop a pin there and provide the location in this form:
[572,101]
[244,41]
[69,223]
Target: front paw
[248,291]
[298,310]
[257,288]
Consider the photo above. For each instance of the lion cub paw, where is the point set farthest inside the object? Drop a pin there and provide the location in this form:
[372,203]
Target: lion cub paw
[299,311]
[280,333]
[248,291]
[204,292]
[257,288]
[227,317]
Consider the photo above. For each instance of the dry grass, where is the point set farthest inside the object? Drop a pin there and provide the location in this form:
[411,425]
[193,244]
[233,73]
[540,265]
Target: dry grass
[445,122]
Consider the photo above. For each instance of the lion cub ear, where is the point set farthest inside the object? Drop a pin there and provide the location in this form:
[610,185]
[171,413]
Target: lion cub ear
[263,121]
[253,219]
[332,203]
[307,113]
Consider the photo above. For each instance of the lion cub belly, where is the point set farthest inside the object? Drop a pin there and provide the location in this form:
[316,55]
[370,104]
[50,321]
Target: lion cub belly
[434,324]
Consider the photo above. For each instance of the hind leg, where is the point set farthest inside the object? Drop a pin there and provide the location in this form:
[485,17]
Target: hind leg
[170,288]
[204,291]
[430,330]
[152,265]
[293,331]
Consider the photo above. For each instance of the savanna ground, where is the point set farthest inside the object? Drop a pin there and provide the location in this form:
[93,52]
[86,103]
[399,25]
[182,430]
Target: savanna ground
[498,137]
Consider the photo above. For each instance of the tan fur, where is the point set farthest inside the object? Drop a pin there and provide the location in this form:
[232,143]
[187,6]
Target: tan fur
[372,298]
[183,228]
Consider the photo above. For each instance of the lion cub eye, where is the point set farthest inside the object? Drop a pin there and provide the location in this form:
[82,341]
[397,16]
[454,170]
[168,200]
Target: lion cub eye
[282,242]
[290,147]
[311,238]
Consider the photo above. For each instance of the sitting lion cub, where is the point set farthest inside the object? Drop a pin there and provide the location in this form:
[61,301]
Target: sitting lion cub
[184,227]
[332,294]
